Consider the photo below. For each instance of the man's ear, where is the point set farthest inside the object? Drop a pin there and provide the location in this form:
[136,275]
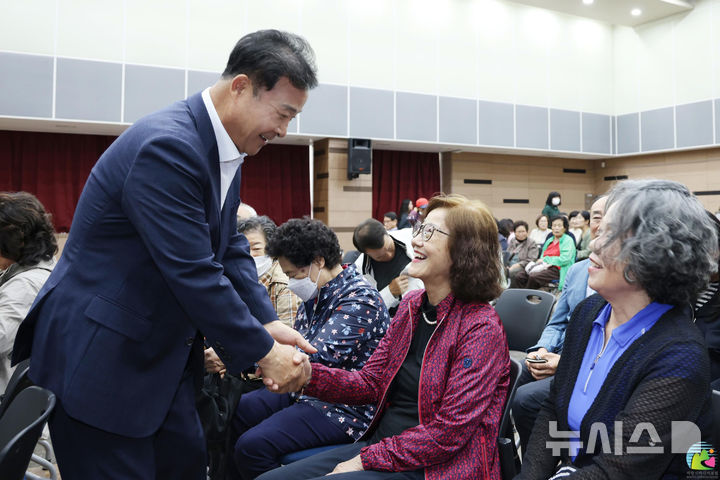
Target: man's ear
[240,83]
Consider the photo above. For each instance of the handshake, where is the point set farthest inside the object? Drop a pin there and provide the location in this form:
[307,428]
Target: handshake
[284,369]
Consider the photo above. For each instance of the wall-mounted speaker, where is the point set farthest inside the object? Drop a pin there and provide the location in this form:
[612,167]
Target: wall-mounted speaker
[359,157]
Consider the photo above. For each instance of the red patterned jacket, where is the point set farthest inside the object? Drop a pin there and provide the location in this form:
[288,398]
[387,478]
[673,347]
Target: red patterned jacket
[463,384]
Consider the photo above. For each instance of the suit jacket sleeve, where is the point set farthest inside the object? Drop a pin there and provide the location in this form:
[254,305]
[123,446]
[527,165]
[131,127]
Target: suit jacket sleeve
[171,218]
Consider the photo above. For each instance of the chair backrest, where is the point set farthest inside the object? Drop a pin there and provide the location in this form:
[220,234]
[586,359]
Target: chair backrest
[524,314]
[20,429]
[509,458]
[18,381]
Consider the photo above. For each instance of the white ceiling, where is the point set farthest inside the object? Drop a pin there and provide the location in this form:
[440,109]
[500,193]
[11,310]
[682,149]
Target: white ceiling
[616,12]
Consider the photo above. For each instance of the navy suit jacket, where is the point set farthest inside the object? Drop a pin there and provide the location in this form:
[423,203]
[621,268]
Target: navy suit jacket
[151,261]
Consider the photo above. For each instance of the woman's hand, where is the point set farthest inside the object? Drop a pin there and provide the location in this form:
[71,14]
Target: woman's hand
[352,465]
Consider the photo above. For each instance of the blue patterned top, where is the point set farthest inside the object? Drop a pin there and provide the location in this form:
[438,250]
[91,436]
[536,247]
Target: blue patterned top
[345,325]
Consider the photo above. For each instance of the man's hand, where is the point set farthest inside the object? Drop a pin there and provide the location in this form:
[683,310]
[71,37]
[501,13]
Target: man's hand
[213,364]
[288,336]
[543,370]
[399,285]
[352,465]
[284,369]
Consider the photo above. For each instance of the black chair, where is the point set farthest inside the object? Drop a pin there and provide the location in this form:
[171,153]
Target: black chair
[524,314]
[507,450]
[20,429]
[18,381]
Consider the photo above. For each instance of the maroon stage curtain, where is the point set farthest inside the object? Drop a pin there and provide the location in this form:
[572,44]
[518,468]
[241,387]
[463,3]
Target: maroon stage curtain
[276,182]
[398,175]
[52,166]
[55,166]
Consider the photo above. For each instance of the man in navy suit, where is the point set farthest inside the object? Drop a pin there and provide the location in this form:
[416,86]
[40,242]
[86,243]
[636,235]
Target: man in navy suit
[536,377]
[154,266]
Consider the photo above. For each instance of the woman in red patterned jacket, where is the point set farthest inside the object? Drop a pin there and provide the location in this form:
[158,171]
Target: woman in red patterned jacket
[440,375]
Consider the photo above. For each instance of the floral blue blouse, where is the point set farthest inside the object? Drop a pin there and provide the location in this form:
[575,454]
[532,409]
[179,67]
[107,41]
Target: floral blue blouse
[346,322]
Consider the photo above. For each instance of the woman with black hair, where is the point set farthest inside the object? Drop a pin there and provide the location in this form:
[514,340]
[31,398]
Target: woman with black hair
[27,246]
[552,203]
[405,208]
[344,318]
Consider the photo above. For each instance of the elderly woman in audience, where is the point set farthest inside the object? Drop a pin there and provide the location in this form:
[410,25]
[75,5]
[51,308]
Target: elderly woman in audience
[539,234]
[258,231]
[344,318]
[521,249]
[558,254]
[440,376]
[27,246]
[632,359]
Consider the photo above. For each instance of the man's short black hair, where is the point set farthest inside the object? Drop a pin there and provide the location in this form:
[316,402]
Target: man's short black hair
[369,234]
[391,215]
[267,55]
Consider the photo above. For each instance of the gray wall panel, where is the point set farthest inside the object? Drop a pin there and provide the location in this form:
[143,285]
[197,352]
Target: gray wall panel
[717,121]
[27,83]
[656,128]
[458,120]
[199,81]
[148,89]
[613,131]
[564,130]
[531,127]
[694,124]
[325,111]
[628,133]
[371,113]
[416,116]
[88,90]
[596,134]
[496,124]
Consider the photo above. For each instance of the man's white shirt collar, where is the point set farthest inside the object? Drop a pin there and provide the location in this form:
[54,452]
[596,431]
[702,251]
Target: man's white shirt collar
[228,154]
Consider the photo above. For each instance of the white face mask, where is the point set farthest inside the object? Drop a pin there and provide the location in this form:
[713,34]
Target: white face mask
[263,264]
[304,288]
[556,201]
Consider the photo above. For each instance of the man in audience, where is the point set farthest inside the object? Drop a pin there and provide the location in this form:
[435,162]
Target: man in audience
[153,260]
[383,259]
[544,356]
[390,221]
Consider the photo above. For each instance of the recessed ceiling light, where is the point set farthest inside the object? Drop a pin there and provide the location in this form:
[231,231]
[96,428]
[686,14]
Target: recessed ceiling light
[635,12]
[588,2]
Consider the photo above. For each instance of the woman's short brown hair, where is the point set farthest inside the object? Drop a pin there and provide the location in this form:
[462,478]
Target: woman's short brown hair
[473,246]
[26,231]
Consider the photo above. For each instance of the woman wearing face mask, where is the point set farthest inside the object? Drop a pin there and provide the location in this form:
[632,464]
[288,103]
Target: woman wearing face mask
[551,205]
[344,318]
[258,230]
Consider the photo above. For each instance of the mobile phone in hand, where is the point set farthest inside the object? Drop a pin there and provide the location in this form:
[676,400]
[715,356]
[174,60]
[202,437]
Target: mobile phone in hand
[535,360]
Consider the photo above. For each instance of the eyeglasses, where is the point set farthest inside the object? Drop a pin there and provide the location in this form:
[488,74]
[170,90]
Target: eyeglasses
[427,230]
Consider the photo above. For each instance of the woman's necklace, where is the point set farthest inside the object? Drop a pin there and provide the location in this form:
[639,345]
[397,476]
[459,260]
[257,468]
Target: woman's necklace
[427,320]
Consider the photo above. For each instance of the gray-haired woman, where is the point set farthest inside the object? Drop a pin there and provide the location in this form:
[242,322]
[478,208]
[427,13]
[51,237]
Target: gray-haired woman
[633,363]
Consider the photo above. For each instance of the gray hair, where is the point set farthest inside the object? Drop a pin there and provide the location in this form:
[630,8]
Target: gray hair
[668,244]
[263,224]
